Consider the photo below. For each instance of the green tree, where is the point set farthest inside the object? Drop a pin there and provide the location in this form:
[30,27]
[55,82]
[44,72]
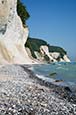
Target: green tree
[22,12]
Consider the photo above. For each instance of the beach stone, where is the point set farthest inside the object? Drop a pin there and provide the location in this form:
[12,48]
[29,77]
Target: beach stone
[68,89]
[58,80]
[33,98]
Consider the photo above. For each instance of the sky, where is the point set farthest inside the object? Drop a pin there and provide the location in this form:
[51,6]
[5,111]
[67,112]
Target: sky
[54,21]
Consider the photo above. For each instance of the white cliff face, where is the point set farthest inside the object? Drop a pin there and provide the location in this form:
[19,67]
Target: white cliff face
[45,51]
[53,56]
[66,58]
[12,35]
[13,26]
[4,13]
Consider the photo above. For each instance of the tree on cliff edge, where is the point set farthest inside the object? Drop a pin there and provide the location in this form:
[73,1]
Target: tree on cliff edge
[22,12]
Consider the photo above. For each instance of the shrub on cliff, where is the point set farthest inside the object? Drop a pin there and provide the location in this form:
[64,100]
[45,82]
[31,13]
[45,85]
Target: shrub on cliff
[34,45]
[57,49]
[22,12]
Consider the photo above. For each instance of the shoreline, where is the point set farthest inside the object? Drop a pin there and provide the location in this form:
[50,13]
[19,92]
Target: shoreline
[68,93]
[22,93]
[62,74]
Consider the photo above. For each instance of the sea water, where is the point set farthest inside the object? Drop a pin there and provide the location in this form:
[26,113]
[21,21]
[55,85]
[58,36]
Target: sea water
[62,71]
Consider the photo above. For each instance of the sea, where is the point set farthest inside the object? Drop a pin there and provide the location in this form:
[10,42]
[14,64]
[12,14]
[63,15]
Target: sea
[60,73]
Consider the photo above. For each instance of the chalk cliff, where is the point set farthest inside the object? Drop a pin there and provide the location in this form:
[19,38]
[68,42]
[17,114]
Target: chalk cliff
[45,53]
[12,35]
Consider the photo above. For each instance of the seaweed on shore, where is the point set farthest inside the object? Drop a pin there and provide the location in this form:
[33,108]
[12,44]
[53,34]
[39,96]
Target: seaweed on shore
[53,74]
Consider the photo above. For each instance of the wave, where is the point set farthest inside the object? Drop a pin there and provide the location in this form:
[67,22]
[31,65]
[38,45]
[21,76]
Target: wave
[65,72]
[63,68]
[45,78]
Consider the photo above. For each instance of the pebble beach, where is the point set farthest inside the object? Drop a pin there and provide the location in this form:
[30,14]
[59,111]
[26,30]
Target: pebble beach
[22,93]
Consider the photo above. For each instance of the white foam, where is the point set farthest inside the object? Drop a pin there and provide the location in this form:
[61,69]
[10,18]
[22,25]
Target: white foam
[45,78]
